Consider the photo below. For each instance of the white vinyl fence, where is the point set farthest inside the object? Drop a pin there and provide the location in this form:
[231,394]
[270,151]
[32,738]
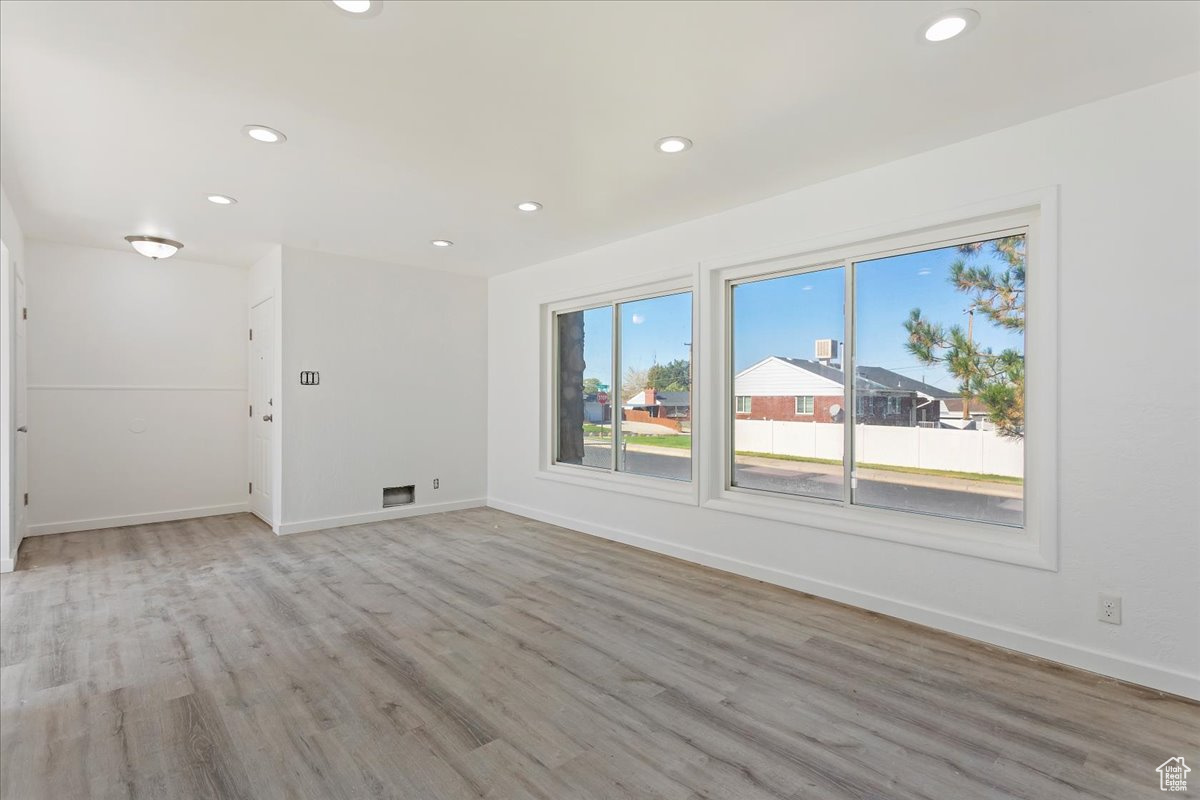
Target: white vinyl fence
[927,448]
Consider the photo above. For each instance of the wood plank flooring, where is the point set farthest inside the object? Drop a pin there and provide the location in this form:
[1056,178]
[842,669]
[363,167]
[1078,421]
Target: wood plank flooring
[477,654]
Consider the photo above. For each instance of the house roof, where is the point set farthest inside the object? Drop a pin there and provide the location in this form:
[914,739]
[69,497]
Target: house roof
[660,399]
[954,405]
[869,378]
[815,367]
[894,380]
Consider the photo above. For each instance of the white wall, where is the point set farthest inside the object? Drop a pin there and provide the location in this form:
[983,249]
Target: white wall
[119,343]
[14,240]
[1130,463]
[403,396]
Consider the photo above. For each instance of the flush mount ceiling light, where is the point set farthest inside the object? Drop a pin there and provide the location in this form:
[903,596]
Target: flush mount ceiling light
[442,243]
[949,24]
[221,199]
[154,247]
[529,205]
[261,133]
[358,8]
[674,144]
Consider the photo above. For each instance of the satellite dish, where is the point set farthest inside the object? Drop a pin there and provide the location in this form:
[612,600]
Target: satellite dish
[834,410]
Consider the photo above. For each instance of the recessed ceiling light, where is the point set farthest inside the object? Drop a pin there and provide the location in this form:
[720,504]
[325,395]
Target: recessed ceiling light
[442,243]
[529,205]
[154,247]
[261,133]
[674,144]
[949,24]
[358,8]
[221,199]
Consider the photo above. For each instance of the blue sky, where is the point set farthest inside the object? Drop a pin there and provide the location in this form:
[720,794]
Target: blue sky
[653,331]
[785,316]
[888,288]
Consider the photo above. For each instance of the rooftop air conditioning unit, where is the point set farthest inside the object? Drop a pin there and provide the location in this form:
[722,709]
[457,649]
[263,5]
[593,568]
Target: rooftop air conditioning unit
[827,349]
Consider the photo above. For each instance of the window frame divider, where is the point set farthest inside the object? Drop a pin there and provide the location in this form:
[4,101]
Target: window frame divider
[617,403]
[849,397]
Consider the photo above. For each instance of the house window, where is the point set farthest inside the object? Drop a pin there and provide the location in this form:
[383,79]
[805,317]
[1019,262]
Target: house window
[623,375]
[936,350]
[743,404]
[776,322]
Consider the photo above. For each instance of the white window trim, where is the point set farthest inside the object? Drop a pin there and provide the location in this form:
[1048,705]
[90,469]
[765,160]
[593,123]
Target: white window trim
[1035,545]
[811,401]
[749,404]
[686,492]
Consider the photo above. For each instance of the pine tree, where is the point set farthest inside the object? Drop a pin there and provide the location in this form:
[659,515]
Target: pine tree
[996,379]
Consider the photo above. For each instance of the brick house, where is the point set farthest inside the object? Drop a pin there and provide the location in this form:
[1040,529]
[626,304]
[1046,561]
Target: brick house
[660,405]
[797,390]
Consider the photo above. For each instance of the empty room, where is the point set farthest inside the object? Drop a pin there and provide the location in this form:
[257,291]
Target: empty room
[582,400]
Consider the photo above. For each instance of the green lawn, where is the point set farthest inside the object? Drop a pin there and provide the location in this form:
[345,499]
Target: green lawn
[672,440]
[679,440]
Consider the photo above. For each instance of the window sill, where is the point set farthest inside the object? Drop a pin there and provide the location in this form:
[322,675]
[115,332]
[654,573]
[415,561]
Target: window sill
[1020,546]
[654,488]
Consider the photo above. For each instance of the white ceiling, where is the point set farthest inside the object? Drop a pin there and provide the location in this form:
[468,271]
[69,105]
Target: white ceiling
[432,119]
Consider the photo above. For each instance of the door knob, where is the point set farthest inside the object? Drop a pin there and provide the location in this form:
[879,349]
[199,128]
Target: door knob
[268,417]
[22,429]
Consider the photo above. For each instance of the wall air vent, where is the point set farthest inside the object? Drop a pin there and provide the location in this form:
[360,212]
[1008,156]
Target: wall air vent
[399,496]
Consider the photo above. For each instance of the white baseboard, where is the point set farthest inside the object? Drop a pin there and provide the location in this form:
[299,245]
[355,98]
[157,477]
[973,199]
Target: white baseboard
[46,528]
[6,565]
[1141,673]
[376,516]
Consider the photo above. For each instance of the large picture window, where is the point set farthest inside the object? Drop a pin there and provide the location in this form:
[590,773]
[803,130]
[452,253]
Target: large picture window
[926,345]
[624,386]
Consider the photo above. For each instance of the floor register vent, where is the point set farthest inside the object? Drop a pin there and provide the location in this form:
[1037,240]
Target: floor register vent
[399,496]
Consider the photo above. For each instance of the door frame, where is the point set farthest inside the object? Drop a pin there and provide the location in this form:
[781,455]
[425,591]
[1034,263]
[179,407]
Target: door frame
[10,535]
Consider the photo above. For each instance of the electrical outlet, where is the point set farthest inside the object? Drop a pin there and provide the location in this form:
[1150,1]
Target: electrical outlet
[436,483]
[1109,609]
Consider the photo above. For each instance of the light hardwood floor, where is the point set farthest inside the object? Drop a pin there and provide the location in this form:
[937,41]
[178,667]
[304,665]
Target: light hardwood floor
[480,654]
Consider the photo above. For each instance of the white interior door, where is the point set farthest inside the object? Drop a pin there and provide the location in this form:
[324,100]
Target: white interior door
[20,413]
[262,408]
